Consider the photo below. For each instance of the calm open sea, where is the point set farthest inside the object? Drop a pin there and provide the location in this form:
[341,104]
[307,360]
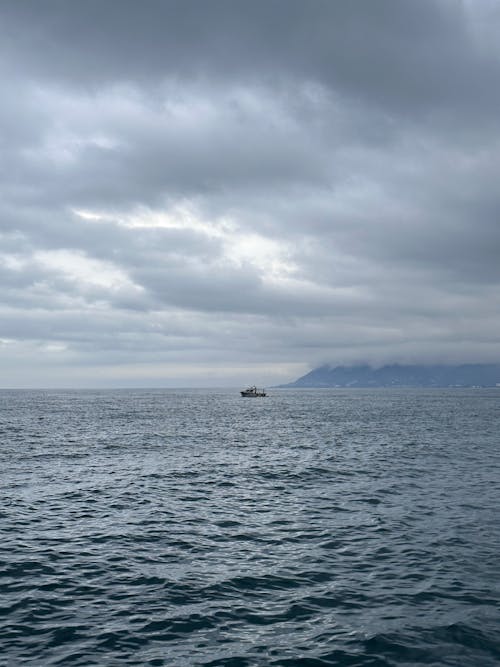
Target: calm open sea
[183,528]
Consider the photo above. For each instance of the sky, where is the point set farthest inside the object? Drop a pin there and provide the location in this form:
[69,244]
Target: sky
[233,192]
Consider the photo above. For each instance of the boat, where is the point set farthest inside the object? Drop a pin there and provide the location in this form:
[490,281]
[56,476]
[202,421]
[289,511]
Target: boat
[253,391]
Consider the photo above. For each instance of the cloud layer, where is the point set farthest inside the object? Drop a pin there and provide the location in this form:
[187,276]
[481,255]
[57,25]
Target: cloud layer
[214,193]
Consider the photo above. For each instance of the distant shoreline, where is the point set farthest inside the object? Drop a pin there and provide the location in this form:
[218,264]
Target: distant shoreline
[465,376]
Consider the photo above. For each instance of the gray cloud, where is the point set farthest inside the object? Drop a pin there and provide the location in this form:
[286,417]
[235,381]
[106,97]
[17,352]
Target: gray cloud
[403,53]
[189,192]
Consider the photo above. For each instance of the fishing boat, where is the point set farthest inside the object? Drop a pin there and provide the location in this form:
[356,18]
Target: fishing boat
[253,391]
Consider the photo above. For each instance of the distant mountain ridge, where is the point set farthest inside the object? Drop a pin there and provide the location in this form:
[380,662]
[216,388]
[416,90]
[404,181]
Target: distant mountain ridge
[396,375]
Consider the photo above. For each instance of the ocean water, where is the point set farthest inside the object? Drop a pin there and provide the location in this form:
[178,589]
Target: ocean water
[183,528]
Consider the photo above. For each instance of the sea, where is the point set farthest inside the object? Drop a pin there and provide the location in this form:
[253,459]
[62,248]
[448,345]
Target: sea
[342,527]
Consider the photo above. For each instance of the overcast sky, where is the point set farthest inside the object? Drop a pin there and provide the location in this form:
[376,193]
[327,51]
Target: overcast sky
[229,192]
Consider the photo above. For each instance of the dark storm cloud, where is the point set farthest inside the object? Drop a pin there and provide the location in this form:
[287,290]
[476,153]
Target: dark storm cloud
[397,51]
[240,183]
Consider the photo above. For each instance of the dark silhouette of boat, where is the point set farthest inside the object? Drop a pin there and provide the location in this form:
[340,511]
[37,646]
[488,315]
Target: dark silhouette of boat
[253,391]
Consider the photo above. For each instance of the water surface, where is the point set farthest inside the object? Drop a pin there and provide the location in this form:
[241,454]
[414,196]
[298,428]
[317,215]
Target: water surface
[327,527]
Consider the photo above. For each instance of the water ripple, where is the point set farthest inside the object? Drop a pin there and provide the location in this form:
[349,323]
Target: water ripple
[313,528]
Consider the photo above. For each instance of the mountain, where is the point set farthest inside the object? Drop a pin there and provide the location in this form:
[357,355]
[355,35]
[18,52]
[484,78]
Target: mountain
[395,375]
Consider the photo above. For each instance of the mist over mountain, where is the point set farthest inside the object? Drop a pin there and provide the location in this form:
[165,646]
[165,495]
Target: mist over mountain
[396,375]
